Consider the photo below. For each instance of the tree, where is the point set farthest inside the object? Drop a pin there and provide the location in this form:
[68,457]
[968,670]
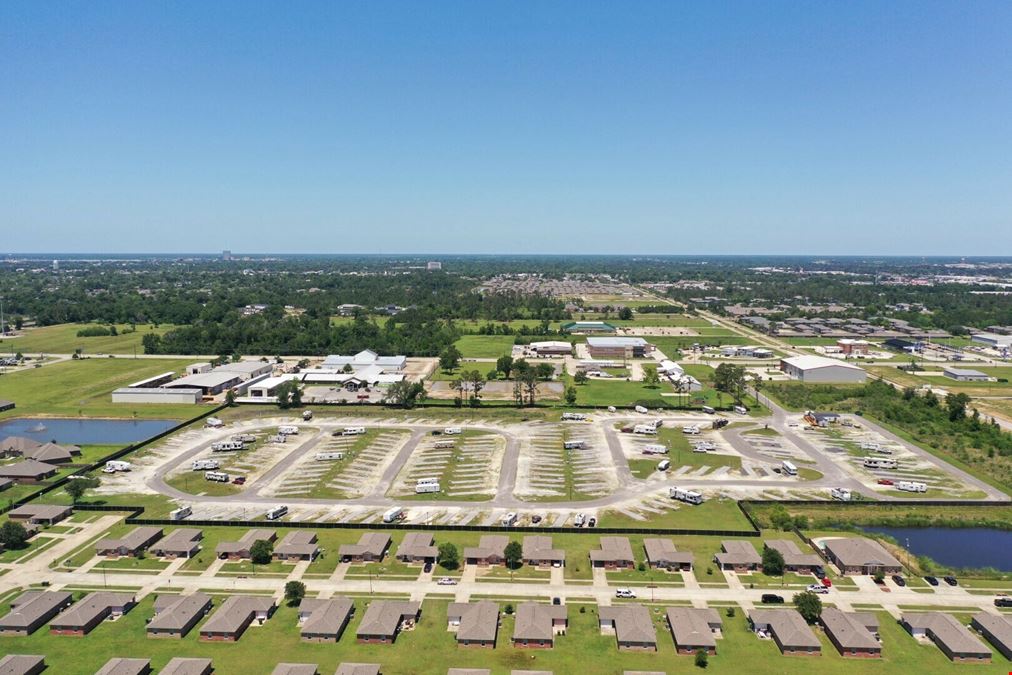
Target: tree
[294,592]
[773,562]
[405,394]
[76,487]
[450,358]
[513,553]
[530,381]
[956,405]
[545,371]
[625,314]
[288,395]
[477,382]
[650,376]
[580,377]
[809,606]
[570,395]
[504,364]
[230,398]
[702,660]
[13,535]
[261,551]
[730,379]
[447,556]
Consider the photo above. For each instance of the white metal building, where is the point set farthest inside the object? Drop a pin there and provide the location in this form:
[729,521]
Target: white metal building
[820,369]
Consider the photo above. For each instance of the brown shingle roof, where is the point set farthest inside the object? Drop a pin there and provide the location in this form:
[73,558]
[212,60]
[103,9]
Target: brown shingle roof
[383,617]
[479,621]
[947,630]
[691,627]
[370,543]
[789,627]
[326,617]
[534,621]
[632,623]
[613,549]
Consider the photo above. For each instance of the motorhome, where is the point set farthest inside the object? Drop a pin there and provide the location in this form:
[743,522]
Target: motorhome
[709,410]
[574,445]
[687,496]
[869,445]
[655,449]
[453,431]
[353,431]
[328,456]
[841,494]
[690,429]
[181,513]
[789,468]
[393,515]
[741,410]
[277,512]
[641,410]
[227,446]
[213,423]
[509,520]
[279,438]
[444,444]
[911,486]
[663,465]
[244,438]
[879,463]
[704,446]
[424,488]
[645,429]
[288,430]
[574,417]
[112,466]
[217,476]
[427,481]
[204,465]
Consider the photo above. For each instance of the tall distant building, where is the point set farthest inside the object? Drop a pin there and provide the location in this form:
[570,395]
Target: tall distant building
[226,255]
[434,265]
[56,265]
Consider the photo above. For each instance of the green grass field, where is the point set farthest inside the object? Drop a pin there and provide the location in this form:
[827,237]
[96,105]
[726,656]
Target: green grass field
[62,339]
[485,346]
[83,388]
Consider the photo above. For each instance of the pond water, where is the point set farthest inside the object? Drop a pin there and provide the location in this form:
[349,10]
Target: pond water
[956,547]
[84,431]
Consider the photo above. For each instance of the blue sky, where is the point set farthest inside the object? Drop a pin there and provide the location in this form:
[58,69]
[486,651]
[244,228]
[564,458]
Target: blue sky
[555,127]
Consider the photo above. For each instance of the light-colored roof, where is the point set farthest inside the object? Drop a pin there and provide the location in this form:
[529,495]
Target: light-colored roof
[860,551]
[632,623]
[850,629]
[244,367]
[39,511]
[182,540]
[963,372]
[19,664]
[479,621]
[613,548]
[811,362]
[174,612]
[534,620]
[616,342]
[383,617]
[788,626]
[295,669]
[663,550]
[358,669]
[792,554]
[551,344]
[122,666]
[204,380]
[947,630]
[691,627]
[131,541]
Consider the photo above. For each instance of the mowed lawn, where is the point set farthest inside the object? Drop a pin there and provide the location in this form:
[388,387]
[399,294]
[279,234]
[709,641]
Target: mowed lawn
[430,649]
[62,339]
[485,346]
[84,387]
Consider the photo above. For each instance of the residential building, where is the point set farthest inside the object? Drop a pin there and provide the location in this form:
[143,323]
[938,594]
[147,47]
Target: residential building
[28,471]
[996,629]
[40,514]
[383,620]
[238,550]
[179,665]
[324,620]
[619,347]
[953,638]
[632,625]
[489,551]
[31,610]
[176,615]
[852,633]
[476,623]
[130,544]
[538,551]
[661,554]
[358,669]
[123,666]
[693,629]
[965,374]
[788,629]
[297,545]
[811,368]
[852,347]
[17,446]
[536,624]
[417,547]
[859,555]
[371,547]
[615,553]
[94,608]
[738,556]
[795,560]
[181,543]
[51,453]
[234,616]
[22,664]
[295,669]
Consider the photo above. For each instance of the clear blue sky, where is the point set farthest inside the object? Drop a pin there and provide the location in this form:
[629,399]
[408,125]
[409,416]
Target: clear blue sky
[703,127]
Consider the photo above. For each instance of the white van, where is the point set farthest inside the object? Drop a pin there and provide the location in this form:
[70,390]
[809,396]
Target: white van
[112,466]
[664,465]
[789,468]
[741,410]
[624,593]
[709,410]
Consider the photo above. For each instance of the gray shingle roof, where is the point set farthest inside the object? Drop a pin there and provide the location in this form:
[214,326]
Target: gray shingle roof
[479,621]
[174,612]
[632,623]
[326,617]
[534,621]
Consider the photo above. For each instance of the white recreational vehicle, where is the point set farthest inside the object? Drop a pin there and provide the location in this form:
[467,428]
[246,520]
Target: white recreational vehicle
[509,520]
[687,496]
[244,438]
[641,410]
[112,466]
[393,515]
[213,423]
[426,488]
[690,429]
[444,444]
[353,431]
[227,446]
[204,465]
[655,449]
[841,494]
[788,468]
[704,446]
[453,431]
[216,476]
[646,429]
[307,415]
[328,456]
[879,463]
[181,513]
[573,417]
[288,430]
[911,486]
[277,512]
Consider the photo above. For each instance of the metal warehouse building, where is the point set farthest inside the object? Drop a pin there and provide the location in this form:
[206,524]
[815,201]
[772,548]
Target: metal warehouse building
[821,369]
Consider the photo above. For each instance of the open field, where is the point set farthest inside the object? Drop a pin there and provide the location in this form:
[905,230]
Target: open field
[485,346]
[62,339]
[940,381]
[83,388]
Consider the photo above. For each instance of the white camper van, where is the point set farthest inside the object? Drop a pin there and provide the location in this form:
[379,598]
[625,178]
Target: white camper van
[687,496]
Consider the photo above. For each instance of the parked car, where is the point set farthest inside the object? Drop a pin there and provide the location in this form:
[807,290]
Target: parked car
[556,601]
[447,581]
[931,580]
[624,593]
[535,519]
[772,599]
[592,522]
[239,480]
[818,588]
[427,568]
[884,481]
[951,580]
[827,582]
[898,580]
[1003,602]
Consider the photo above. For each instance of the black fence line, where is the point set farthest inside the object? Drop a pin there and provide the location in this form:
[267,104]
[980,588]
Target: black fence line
[133,447]
[745,503]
